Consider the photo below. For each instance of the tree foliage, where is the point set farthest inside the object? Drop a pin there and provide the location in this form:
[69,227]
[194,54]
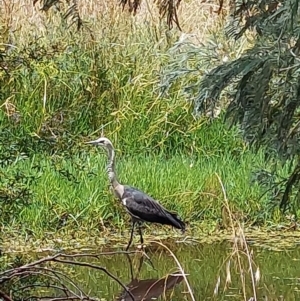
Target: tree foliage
[264,81]
[261,86]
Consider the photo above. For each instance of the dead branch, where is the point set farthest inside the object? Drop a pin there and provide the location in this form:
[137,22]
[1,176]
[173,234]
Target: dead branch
[65,289]
[55,278]
[85,264]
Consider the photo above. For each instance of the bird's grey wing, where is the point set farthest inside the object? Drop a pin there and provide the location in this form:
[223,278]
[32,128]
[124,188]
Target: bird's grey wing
[144,207]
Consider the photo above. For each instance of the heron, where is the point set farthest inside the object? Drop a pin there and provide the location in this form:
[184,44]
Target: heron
[140,206]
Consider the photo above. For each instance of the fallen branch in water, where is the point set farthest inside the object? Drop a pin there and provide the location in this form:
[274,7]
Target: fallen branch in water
[38,274]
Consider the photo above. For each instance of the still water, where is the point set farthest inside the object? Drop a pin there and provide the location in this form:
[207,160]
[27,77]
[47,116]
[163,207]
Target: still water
[276,273]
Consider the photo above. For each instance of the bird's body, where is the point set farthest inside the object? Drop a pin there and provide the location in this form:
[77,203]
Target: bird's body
[141,207]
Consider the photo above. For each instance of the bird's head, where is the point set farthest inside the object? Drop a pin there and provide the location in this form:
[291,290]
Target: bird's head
[102,141]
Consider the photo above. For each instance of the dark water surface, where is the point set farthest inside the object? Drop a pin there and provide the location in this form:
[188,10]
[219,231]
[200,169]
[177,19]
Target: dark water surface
[204,263]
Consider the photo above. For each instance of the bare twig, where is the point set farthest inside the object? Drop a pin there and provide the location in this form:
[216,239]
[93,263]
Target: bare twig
[51,258]
[85,264]
[58,277]
[50,298]
[179,266]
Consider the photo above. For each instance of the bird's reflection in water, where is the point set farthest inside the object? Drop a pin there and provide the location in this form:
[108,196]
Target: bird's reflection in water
[148,289]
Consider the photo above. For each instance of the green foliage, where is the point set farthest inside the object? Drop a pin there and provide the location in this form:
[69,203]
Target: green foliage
[55,98]
[71,192]
[15,185]
[261,85]
[61,89]
[52,102]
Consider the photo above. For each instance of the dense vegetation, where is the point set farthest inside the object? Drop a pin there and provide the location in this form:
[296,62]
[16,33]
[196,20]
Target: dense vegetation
[60,88]
[261,86]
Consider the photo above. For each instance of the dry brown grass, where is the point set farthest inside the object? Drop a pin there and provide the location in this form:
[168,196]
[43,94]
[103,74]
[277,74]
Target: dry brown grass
[179,266]
[197,18]
[241,258]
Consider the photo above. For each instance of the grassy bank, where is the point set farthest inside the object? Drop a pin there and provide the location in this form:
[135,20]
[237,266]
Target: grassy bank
[60,88]
[46,193]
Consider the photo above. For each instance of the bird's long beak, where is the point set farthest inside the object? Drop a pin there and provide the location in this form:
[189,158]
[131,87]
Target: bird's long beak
[93,142]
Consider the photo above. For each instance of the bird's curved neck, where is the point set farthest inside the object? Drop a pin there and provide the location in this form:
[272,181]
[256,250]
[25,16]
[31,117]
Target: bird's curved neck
[111,168]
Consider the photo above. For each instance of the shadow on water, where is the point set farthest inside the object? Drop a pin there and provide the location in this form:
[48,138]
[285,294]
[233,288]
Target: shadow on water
[148,289]
[204,264]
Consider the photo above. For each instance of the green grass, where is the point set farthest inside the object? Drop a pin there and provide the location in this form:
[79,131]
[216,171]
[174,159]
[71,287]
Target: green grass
[77,185]
[60,89]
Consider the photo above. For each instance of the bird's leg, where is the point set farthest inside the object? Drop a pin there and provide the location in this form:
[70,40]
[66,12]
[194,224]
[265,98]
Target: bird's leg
[141,234]
[142,246]
[130,266]
[131,235]
[140,264]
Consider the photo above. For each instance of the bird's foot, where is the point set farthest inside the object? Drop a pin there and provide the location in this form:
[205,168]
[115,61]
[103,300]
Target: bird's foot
[141,247]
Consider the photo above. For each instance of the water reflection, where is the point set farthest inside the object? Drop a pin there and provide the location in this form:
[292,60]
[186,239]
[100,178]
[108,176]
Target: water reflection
[205,264]
[148,289]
